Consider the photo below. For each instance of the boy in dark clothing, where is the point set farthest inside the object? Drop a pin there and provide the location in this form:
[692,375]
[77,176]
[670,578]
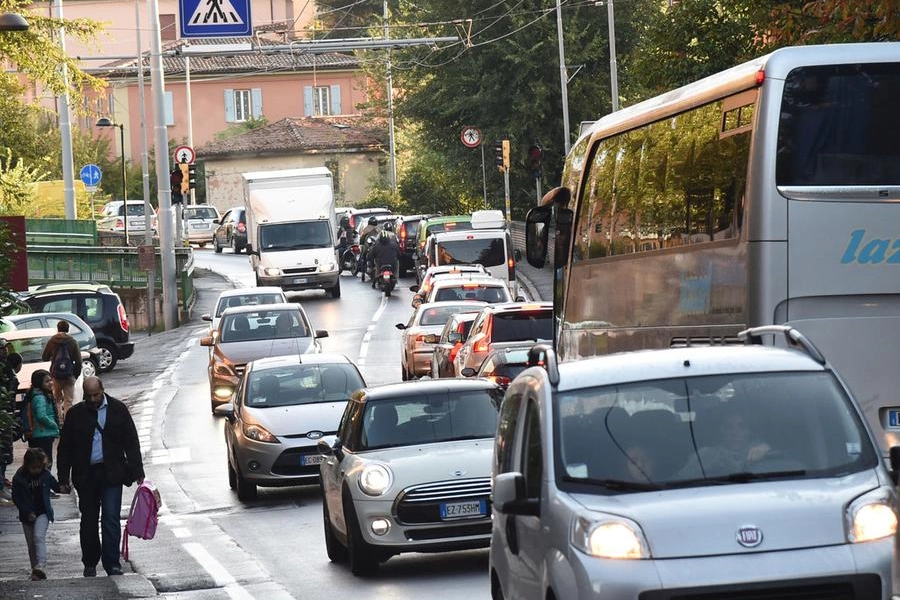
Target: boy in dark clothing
[63,379]
[32,484]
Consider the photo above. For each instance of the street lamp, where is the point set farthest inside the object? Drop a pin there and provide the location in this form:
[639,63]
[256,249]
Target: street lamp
[13,22]
[105,122]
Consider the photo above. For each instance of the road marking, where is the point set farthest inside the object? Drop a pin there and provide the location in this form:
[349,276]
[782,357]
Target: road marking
[215,569]
[181,532]
[170,455]
[364,345]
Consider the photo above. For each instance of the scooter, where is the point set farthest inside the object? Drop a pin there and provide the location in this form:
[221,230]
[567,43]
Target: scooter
[350,257]
[386,279]
[363,258]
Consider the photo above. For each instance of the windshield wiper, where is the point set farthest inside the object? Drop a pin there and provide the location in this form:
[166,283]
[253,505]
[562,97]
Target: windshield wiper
[741,477]
[617,484]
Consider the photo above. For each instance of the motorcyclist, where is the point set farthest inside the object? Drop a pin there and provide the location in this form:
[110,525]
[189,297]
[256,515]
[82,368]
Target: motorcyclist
[346,235]
[386,251]
[371,229]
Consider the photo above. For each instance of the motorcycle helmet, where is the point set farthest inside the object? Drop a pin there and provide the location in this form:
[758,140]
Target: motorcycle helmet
[373,221]
[345,221]
[388,226]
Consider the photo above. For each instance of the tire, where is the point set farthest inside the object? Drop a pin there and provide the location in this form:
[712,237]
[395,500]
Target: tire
[404,376]
[354,268]
[336,551]
[216,245]
[245,489]
[387,293]
[108,357]
[234,246]
[336,290]
[496,590]
[232,476]
[361,556]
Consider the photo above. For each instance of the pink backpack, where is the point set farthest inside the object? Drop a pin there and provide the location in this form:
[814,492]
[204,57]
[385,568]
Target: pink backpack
[143,516]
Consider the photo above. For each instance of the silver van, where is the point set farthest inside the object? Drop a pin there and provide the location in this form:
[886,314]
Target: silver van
[698,472]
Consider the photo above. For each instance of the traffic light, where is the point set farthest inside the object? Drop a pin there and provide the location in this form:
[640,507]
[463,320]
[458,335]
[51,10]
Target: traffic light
[505,154]
[176,180]
[183,167]
[192,176]
[535,158]
[498,154]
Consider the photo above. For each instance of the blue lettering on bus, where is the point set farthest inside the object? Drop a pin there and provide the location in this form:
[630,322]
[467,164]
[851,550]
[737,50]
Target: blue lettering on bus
[872,252]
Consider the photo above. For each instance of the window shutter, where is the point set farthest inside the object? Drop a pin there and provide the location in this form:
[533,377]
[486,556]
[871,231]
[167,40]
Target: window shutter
[307,101]
[256,102]
[336,100]
[229,107]
[169,109]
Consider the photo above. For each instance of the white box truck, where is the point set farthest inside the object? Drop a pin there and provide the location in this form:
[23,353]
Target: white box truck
[292,229]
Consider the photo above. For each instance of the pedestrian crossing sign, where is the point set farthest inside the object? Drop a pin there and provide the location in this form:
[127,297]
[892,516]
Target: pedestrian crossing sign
[215,18]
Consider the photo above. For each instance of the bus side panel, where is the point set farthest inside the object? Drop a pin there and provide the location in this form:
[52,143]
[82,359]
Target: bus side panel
[697,292]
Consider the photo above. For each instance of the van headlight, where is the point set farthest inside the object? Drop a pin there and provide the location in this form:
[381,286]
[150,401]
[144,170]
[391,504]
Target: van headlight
[609,538]
[871,517]
[375,480]
[272,271]
[327,267]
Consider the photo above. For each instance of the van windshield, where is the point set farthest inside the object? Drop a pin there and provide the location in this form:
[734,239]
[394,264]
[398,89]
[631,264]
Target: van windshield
[709,431]
[297,235]
[488,252]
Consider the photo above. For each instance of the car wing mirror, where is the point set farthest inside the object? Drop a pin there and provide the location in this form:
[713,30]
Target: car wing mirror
[206,341]
[206,317]
[414,288]
[400,326]
[454,337]
[468,372]
[225,410]
[216,221]
[895,463]
[321,333]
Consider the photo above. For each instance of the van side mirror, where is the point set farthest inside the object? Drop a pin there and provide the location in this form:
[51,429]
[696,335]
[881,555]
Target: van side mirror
[206,317]
[321,333]
[895,463]
[537,234]
[509,496]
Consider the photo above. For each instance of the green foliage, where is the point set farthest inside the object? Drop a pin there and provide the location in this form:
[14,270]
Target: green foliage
[832,21]
[239,128]
[16,179]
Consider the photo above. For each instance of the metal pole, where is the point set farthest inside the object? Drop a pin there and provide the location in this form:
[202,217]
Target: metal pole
[124,186]
[390,106]
[145,174]
[166,249]
[563,76]
[537,185]
[506,187]
[483,174]
[613,68]
[65,129]
[190,118]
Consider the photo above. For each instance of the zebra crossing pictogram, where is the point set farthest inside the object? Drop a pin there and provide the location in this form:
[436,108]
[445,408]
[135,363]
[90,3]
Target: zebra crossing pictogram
[214,12]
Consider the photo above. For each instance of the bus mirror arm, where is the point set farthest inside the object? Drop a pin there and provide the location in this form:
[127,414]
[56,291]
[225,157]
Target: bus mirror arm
[895,463]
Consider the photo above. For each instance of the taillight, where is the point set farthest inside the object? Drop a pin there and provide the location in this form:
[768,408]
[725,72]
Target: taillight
[454,350]
[353,221]
[420,338]
[500,380]
[481,343]
[241,227]
[402,233]
[123,318]
[512,269]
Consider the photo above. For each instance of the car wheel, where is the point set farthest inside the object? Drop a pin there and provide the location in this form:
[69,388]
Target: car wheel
[232,476]
[336,551]
[234,246]
[404,376]
[216,245]
[336,290]
[361,556]
[108,357]
[88,369]
[496,590]
[246,490]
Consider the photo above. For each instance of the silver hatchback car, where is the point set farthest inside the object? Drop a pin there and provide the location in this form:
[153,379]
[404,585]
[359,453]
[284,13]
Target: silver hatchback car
[716,472]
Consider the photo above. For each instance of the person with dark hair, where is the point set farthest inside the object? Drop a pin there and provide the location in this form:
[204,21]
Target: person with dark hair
[65,366]
[100,449]
[32,485]
[44,424]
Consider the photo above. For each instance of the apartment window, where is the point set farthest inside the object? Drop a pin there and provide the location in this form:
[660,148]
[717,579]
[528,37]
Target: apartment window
[321,100]
[242,111]
[243,105]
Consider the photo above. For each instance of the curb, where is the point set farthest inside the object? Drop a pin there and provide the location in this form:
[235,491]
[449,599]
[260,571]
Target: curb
[529,286]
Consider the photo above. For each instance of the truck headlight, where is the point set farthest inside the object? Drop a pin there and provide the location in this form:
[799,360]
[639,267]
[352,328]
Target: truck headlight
[871,517]
[272,271]
[613,538]
[327,267]
[375,480]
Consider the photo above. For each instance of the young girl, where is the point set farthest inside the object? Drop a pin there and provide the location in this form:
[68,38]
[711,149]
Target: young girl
[43,414]
[31,493]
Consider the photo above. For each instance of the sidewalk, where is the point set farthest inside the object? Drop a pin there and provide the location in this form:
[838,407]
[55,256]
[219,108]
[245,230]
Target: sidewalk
[537,283]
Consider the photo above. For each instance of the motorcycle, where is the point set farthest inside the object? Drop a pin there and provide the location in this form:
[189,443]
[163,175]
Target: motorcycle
[362,260]
[350,257]
[386,279]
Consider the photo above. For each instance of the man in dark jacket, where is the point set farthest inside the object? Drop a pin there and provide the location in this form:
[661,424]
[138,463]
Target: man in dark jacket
[63,380]
[386,251]
[99,445]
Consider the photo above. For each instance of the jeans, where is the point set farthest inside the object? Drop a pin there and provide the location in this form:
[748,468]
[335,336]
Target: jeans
[99,502]
[36,539]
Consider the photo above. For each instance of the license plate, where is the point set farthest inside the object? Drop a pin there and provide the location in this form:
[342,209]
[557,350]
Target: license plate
[311,459]
[198,225]
[893,418]
[300,280]
[460,510]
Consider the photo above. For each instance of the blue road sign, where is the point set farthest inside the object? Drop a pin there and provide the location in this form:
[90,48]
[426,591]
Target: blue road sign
[215,18]
[91,175]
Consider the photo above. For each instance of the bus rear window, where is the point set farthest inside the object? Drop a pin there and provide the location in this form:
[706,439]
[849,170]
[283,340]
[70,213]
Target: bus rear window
[839,126]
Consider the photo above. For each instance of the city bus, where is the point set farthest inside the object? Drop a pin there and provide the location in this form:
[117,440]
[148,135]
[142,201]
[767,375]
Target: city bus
[768,193]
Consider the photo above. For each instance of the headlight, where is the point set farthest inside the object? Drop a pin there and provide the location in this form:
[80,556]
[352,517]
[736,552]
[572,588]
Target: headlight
[609,539]
[258,433]
[272,271]
[223,393]
[871,518]
[327,267]
[375,480]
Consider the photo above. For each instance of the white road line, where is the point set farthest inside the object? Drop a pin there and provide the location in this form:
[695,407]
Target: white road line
[215,569]
[367,337]
[181,532]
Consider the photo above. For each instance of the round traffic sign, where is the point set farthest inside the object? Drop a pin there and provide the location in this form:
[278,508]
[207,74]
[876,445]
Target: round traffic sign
[91,175]
[470,137]
[184,154]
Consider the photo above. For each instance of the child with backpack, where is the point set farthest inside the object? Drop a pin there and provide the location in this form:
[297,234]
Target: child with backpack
[39,423]
[32,485]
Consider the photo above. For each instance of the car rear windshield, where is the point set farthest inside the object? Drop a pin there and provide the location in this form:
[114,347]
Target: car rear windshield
[488,252]
[449,226]
[839,126]
[430,418]
[438,315]
[709,430]
[262,325]
[201,212]
[247,300]
[509,370]
[134,210]
[471,291]
[290,385]
[297,235]
[521,326]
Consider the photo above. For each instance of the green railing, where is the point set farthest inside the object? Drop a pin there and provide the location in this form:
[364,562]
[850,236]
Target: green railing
[60,232]
[115,266]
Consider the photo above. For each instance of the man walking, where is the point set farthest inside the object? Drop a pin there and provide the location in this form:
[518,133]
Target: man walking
[65,366]
[99,445]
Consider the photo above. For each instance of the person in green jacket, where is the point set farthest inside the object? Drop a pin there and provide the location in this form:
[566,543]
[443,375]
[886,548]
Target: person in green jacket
[44,423]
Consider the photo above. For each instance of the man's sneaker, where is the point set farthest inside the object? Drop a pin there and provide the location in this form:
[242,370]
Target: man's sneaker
[5,502]
[38,573]
[114,571]
[90,571]
[5,494]
[53,494]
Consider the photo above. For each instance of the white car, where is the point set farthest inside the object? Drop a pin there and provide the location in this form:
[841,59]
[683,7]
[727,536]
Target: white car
[30,344]
[475,287]
[200,222]
[112,217]
[410,471]
[415,350]
[243,297]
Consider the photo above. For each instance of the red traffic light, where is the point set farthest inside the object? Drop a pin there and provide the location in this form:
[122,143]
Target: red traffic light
[535,157]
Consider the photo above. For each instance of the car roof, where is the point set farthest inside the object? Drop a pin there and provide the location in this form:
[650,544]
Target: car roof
[67,316]
[266,289]
[449,269]
[464,234]
[271,362]
[646,365]
[510,354]
[448,218]
[25,334]
[390,391]
[464,303]
[68,286]
[443,282]
[252,308]
[508,307]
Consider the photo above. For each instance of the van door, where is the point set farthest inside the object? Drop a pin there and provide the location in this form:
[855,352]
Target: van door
[528,529]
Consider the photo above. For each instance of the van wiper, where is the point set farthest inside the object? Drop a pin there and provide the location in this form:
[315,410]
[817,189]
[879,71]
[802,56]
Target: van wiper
[618,484]
[741,477]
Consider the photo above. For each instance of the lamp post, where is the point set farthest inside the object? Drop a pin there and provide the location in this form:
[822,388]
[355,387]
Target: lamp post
[105,122]
[13,22]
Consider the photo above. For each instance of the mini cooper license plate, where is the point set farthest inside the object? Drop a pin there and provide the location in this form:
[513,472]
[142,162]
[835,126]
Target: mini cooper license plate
[311,459]
[459,510]
[300,280]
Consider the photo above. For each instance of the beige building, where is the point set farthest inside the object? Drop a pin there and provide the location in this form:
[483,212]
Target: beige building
[352,148]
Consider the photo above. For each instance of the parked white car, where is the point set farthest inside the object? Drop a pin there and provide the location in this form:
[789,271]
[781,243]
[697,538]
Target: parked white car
[200,222]
[112,217]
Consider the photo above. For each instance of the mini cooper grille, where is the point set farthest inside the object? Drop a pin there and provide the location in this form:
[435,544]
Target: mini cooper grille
[421,504]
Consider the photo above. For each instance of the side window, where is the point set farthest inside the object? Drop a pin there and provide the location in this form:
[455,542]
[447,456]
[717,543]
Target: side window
[73,328]
[93,309]
[532,452]
[506,433]
[350,424]
[31,324]
[61,305]
[225,218]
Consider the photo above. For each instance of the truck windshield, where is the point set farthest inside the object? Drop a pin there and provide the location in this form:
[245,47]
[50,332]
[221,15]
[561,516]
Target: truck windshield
[297,235]
[711,430]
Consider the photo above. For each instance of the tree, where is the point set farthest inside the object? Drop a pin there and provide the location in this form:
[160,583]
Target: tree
[831,21]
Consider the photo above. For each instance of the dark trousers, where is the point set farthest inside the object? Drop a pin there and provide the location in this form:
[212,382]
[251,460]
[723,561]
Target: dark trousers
[101,504]
[45,444]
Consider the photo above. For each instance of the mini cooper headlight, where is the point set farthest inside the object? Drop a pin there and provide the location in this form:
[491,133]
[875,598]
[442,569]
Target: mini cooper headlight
[609,539]
[375,480]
